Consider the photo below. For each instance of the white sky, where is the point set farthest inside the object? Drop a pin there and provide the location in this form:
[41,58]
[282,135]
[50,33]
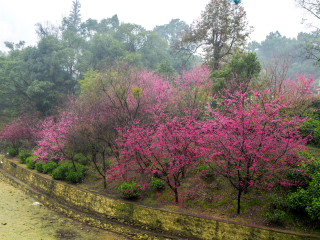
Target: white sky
[18,17]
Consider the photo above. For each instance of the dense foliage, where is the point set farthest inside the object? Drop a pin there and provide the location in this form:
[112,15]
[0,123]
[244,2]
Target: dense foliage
[140,121]
[36,79]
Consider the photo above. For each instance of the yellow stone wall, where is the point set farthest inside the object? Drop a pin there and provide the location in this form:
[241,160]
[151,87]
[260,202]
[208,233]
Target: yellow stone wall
[153,218]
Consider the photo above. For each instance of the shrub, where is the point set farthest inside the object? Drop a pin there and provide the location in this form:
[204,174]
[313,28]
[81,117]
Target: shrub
[276,202]
[206,171]
[276,217]
[298,201]
[156,183]
[74,176]
[23,155]
[48,167]
[60,172]
[314,167]
[313,209]
[66,171]
[80,158]
[12,151]
[130,189]
[311,126]
[39,167]
[30,162]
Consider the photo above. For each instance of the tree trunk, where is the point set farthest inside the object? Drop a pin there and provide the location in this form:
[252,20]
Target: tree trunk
[239,196]
[104,170]
[176,195]
[104,182]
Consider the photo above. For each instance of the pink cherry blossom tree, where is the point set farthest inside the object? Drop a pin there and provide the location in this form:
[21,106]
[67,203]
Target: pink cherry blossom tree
[52,138]
[163,148]
[250,142]
[191,90]
[19,132]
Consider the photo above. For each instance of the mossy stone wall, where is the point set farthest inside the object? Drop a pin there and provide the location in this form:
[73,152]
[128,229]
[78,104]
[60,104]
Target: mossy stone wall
[155,218]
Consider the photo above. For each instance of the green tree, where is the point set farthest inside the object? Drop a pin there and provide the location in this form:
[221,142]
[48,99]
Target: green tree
[165,69]
[170,32]
[220,32]
[242,69]
[74,19]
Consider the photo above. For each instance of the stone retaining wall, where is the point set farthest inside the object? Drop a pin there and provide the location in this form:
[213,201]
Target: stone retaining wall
[183,225]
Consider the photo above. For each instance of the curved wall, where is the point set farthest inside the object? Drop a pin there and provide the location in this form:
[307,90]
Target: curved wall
[182,225]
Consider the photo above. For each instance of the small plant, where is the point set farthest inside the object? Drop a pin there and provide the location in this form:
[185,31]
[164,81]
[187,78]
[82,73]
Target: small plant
[130,189]
[276,217]
[30,162]
[12,151]
[276,202]
[48,167]
[206,171]
[66,171]
[314,209]
[39,167]
[23,155]
[60,172]
[80,158]
[74,176]
[156,183]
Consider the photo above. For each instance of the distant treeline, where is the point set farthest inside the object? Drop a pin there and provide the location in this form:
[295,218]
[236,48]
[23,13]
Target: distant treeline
[292,51]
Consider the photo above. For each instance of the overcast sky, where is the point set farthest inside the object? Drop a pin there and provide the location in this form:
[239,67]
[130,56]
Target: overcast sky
[18,17]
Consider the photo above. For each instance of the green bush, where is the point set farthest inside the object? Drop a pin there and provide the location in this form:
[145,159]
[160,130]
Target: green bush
[23,155]
[74,176]
[12,151]
[60,172]
[80,158]
[39,167]
[311,126]
[313,209]
[48,167]
[30,162]
[307,201]
[277,216]
[314,167]
[156,183]
[130,190]
[276,202]
[298,201]
[66,171]
[206,171]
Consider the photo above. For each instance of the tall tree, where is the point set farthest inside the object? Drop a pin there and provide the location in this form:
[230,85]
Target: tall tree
[170,31]
[75,16]
[220,31]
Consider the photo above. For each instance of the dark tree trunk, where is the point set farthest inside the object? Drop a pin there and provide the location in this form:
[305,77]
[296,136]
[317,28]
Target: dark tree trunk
[176,195]
[239,197]
[104,170]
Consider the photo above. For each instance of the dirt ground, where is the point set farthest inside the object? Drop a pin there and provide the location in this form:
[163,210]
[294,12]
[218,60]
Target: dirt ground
[21,217]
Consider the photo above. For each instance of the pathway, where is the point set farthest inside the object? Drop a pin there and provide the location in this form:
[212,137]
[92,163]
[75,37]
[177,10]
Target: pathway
[21,217]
